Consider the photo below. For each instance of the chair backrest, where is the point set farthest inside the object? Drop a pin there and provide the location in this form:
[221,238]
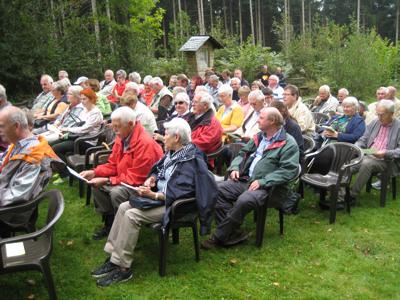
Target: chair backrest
[309,144]
[343,154]
[235,148]
[308,102]
[319,118]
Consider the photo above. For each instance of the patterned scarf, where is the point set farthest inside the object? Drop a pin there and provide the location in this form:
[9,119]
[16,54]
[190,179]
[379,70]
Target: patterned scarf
[172,158]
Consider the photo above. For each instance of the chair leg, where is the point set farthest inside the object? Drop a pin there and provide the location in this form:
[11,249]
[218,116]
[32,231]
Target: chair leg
[261,217]
[196,241]
[45,266]
[255,216]
[71,180]
[81,188]
[347,199]
[163,241]
[301,189]
[394,188]
[175,236]
[281,216]
[369,185]
[88,194]
[333,201]
[384,183]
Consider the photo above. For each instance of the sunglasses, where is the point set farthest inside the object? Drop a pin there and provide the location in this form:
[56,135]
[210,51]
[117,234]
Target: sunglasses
[180,102]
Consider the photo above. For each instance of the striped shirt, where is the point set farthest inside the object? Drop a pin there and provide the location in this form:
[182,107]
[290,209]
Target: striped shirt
[381,140]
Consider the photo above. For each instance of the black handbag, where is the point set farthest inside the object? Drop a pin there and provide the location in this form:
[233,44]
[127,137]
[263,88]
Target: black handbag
[144,203]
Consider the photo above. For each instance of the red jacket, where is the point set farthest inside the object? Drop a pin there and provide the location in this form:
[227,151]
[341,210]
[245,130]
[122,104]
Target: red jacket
[207,134]
[133,166]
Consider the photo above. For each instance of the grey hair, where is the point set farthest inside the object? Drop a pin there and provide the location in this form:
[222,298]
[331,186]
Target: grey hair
[17,115]
[178,126]
[178,89]
[258,95]
[344,90]
[48,78]
[275,77]
[109,71]
[147,79]
[75,91]
[386,104]
[351,101]
[157,80]
[384,89]
[125,114]
[65,73]
[135,77]
[132,86]
[60,86]
[3,93]
[273,115]
[121,73]
[225,88]
[236,79]
[66,82]
[200,88]
[325,88]
[182,97]
[213,78]
[206,98]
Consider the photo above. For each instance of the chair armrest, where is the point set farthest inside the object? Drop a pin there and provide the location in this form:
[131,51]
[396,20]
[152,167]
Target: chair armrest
[83,139]
[89,152]
[19,207]
[97,155]
[178,204]
[216,153]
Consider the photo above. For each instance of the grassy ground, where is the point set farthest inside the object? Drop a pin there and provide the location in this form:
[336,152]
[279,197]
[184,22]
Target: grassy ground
[356,258]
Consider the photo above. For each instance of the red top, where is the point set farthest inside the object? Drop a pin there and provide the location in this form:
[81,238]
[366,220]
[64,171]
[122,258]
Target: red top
[133,165]
[120,90]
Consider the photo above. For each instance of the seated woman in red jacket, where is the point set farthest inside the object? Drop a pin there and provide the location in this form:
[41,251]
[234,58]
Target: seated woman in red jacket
[133,154]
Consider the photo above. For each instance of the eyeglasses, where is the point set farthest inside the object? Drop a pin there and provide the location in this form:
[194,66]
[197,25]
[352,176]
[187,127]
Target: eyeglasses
[180,102]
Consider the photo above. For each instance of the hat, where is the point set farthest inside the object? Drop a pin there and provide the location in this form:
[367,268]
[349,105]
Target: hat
[81,80]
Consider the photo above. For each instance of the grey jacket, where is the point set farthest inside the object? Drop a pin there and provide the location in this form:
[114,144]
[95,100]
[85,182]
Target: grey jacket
[393,146]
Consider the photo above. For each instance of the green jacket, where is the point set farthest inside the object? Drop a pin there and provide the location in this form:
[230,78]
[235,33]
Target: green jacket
[278,165]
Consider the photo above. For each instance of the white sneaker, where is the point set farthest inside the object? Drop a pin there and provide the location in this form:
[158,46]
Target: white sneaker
[376,185]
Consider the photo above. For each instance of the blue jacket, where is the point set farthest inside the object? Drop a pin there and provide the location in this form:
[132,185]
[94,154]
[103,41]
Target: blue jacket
[354,129]
[191,178]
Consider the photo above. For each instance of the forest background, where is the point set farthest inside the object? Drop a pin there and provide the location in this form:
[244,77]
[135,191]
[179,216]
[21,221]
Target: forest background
[343,43]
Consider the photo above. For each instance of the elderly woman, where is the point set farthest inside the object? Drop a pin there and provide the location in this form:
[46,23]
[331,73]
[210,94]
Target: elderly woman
[230,114]
[102,102]
[69,118]
[244,103]
[181,173]
[119,88]
[148,92]
[54,108]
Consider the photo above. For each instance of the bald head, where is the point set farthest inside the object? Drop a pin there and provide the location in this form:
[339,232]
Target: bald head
[13,124]
[270,120]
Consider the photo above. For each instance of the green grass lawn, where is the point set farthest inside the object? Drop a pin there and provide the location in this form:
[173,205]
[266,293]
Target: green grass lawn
[356,258]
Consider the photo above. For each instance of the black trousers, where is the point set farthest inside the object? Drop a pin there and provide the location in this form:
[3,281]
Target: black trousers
[234,202]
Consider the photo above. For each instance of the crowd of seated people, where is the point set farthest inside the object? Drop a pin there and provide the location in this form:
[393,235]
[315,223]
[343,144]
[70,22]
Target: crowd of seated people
[164,132]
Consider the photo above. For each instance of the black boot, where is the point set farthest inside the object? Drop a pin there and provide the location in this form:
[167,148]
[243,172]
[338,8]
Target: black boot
[103,232]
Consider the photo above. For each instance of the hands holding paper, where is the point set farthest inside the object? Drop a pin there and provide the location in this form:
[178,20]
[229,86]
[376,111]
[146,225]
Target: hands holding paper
[380,154]
[92,180]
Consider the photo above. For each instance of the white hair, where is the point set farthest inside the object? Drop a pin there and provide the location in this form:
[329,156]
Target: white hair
[274,77]
[132,86]
[325,88]
[182,97]
[178,89]
[60,86]
[351,101]
[205,97]
[157,81]
[213,78]
[178,126]
[109,71]
[235,79]
[135,77]
[65,73]
[125,114]
[344,91]
[257,95]
[66,82]
[121,73]
[200,88]
[3,93]
[48,78]
[17,115]
[386,104]
[75,91]
[147,79]
[383,89]
[226,89]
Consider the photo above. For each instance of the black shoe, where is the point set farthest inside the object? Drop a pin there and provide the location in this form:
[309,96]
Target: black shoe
[236,238]
[104,269]
[116,276]
[210,244]
[327,205]
[101,234]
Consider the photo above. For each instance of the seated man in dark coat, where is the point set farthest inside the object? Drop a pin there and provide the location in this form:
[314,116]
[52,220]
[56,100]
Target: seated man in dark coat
[271,158]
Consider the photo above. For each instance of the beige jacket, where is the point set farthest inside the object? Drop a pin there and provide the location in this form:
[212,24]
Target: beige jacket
[303,116]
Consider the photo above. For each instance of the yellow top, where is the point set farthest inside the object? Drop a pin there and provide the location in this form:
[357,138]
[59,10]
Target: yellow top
[234,115]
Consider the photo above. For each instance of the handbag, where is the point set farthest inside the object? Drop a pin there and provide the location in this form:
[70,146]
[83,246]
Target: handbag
[144,203]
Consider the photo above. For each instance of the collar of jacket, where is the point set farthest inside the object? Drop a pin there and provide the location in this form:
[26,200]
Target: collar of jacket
[205,119]
[280,141]
[137,132]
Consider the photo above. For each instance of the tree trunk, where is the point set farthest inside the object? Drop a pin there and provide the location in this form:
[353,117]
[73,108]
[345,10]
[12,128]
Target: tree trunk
[180,17]
[211,16]
[397,22]
[303,18]
[240,22]
[309,16]
[201,16]
[251,21]
[110,37]
[96,29]
[53,15]
[225,18]
[358,14]
[259,30]
[231,16]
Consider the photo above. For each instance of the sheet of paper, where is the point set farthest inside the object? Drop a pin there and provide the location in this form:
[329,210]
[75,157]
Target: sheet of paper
[74,173]
[328,128]
[53,128]
[15,249]
[130,186]
[369,151]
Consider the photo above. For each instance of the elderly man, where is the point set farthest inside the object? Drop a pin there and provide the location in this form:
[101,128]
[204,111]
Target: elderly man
[235,85]
[298,110]
[381,93]
[270,159]
[382,136]
[325,102]
[45,97]
[181,173]
[108,84]
[25,167]
[133,154]
[62,74]
[277,90]
[143,113]
[183,81]
[239,74]
[341,95]
[213,85]
[249,127]
[206,129]
[161,102]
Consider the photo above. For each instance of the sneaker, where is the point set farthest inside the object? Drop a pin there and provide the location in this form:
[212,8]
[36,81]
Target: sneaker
[104,269]
[59,181]
[101,234]
[236,238]
[376,185]
[210,244]
[116,276]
